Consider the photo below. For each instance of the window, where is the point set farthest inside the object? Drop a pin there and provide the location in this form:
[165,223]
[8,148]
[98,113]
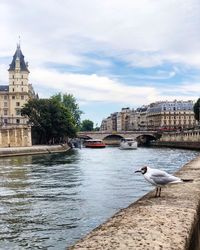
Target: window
[5,104]
[17,121]
[13,89]
[22,89]
[5,97]
[22,76]
[18,112]
[13,76]
[22,97]
[13,97]
[17,104]
[22,82]
[5,112]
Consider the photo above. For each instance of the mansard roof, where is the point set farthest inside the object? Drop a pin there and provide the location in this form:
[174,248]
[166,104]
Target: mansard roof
[18,54]
[4,88]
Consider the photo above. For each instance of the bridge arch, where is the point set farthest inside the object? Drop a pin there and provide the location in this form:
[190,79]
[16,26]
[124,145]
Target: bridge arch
[145,139]
[112,139]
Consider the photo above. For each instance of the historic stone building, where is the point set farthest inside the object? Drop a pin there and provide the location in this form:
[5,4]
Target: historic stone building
[17,93]
[171,115]
[12,98]
[156,116]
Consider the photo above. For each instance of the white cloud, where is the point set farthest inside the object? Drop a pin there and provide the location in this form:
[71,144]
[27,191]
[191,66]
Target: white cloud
[92,88]
[142,34]
[146,32]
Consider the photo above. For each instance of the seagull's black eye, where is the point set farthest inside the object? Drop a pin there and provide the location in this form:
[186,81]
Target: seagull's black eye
[144,170]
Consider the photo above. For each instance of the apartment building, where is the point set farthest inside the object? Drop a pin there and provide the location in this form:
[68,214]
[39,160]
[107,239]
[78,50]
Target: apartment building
[163,115]
[171,115]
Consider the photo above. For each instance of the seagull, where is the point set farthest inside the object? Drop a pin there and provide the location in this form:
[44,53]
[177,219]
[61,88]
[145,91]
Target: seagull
[159,178]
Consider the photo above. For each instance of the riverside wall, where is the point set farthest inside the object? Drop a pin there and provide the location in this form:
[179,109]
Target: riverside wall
[170,222]
[37,149]
[183,139]
[15,136]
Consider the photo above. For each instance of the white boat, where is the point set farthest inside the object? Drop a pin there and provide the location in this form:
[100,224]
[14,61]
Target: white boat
[128,143]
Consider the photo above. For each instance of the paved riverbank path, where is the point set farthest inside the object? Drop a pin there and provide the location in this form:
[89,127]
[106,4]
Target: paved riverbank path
[170,222]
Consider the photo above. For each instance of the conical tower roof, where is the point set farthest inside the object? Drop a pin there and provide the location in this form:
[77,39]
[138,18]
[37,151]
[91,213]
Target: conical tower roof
[18,54]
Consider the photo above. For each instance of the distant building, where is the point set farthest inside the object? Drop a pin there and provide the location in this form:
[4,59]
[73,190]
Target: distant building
[14,95]
[171,115]
[162,115]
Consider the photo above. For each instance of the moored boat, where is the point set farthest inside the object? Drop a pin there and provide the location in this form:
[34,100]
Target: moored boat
[94,143]
[128,143]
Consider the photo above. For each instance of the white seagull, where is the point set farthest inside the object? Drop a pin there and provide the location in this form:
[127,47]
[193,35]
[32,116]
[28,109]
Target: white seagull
[159,178]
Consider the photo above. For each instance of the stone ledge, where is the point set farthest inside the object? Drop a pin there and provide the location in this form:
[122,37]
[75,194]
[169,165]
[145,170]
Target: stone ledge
[177,144]
[169,222]
[39,149]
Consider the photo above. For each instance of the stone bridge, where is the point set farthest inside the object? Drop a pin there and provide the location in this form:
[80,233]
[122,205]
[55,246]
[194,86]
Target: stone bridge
[143,137]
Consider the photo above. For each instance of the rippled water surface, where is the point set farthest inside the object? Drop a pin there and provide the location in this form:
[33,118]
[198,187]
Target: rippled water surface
[50,201]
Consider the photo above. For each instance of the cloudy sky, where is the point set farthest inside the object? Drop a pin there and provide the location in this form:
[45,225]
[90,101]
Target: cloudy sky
[108,53]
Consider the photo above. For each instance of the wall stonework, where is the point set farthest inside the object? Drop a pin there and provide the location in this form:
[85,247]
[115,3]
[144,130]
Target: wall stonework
[170,222]
[18,136]
[184,136]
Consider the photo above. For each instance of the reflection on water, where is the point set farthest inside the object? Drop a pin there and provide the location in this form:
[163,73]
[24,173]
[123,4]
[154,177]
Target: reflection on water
[50,201]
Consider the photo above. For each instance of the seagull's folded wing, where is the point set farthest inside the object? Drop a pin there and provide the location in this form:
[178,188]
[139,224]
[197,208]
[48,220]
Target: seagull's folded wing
[163,178]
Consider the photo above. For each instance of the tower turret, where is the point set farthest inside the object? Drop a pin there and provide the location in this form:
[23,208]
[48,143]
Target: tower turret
[18,57]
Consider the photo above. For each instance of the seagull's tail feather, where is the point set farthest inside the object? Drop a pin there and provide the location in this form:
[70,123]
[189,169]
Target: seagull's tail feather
[187,180]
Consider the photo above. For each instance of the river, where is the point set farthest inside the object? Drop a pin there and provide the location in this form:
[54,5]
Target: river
[51,201]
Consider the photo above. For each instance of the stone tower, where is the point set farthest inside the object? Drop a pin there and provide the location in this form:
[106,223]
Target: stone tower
[20,91]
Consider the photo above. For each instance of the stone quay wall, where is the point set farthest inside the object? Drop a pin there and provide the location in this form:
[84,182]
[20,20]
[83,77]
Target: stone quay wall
[170,222]
[183,139]
[15,136]
[37,149]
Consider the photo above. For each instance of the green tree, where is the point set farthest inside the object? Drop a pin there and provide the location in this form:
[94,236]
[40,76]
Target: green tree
[196,109]
[87,125]
[51,121]
[69,101]
[97,128]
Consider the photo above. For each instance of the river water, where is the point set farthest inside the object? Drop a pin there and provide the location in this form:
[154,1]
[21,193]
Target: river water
[51,201]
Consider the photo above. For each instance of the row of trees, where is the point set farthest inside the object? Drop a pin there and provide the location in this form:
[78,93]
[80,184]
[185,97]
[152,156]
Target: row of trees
[55,119]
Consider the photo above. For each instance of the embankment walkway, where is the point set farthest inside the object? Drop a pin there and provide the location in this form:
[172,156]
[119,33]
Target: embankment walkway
[37,149]
[170,222]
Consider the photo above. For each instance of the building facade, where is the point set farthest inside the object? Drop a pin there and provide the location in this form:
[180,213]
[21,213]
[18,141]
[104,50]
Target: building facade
[156,116]
[14,95]
[14,129]
[171,115]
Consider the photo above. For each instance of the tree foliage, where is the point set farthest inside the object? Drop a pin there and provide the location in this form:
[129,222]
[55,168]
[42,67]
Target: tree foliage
[51,121]
[87,125]
[197,110]
[69,102]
